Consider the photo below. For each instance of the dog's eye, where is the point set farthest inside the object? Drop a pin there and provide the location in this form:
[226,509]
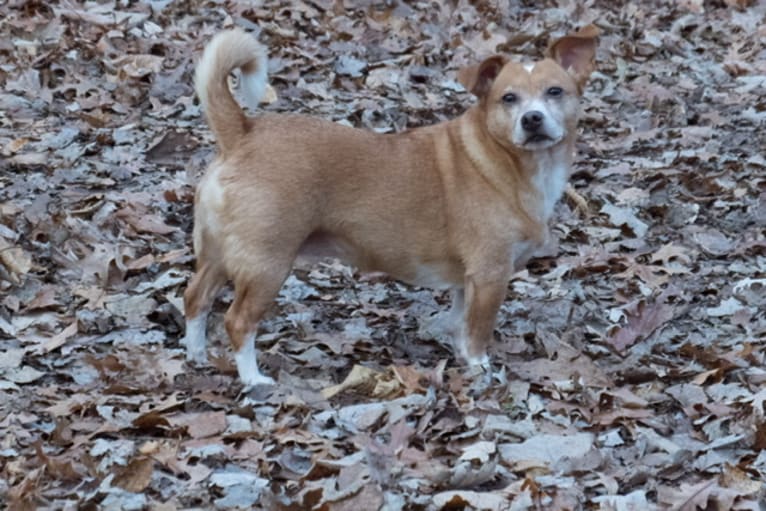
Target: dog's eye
[509,98]
[555,91]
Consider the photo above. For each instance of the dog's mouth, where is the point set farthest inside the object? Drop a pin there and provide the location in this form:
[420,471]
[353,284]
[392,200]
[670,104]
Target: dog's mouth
[539,141]
[537,138]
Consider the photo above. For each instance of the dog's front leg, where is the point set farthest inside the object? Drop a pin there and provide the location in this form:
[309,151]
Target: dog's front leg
[484,292]
[456,315]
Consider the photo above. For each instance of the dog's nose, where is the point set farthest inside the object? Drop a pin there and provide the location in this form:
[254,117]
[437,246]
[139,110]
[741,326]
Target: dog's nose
[532,120]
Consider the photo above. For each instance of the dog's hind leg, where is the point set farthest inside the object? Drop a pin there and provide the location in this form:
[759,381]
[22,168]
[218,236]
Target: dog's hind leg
[198,300]
[252,298]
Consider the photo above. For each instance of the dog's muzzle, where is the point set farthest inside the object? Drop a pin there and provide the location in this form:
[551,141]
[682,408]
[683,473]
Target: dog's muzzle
[532,121]
[532,124]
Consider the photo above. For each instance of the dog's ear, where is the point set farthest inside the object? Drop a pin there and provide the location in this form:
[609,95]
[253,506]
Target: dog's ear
[478,79]
[576,52]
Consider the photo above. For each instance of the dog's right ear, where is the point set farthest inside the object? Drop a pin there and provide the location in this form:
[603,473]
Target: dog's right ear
[478,79]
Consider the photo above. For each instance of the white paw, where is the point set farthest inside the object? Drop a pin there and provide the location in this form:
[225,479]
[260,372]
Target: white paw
[481,362]
[197,357]
[247,365]
[257,379]
[195,340]
[479,366]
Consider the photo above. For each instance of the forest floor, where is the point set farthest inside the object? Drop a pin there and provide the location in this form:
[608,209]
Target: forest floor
[630,366]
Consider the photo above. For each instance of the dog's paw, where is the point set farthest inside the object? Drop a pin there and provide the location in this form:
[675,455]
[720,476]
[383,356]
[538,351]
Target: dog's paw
[481,382]
[480,371]
[196,356]
[476,362]
[195,341]
[254,379]
[480,362]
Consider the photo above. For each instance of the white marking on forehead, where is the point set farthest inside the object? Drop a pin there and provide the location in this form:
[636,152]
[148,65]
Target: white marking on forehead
[529,66]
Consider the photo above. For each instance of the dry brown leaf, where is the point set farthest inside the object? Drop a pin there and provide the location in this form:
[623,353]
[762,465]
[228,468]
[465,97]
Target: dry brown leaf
[696,6]
[460,499]
[410,377]
[138,66]
[690,497]
[45,298]
[60,338]
[703,377]
[142,221]
[151,420]
[16,261]
[739,4]
[14,146]
[203,424]
[613,416]
[735,478]
[136,476]
[367,381]
[370,497]
[60,468]
[580,204]
[642,323]
[24,495]
[102,142]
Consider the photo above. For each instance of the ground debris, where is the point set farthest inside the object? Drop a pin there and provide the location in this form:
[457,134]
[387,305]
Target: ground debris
[628,368]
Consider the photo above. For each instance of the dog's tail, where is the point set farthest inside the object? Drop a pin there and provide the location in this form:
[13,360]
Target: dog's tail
[226,52]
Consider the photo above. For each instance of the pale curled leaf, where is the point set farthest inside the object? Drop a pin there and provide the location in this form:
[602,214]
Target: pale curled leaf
[634,501]
[475,466]
[619,216]
[546,449]
[17,262]
[367,381]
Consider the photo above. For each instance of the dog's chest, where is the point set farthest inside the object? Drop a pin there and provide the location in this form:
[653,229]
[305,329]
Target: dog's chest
[550,180]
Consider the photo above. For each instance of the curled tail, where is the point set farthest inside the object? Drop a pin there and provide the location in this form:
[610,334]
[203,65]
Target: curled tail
[225,52]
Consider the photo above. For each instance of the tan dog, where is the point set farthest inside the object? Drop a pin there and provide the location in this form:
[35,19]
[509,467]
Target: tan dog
[460,205]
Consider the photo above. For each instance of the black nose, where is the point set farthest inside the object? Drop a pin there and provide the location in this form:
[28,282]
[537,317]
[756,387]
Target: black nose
[532,120]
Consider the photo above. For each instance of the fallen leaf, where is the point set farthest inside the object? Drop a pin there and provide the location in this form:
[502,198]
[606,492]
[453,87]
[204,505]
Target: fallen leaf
[476,500]
[138,66]
[136,476]
[366,381]
[203,424]
[641,324]
[60,338]
[16,261]
[727,307]
[690,497]
[623,216]
[546,449]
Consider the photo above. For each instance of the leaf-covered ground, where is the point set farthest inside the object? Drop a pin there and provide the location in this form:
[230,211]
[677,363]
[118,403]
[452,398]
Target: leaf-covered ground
[630,365]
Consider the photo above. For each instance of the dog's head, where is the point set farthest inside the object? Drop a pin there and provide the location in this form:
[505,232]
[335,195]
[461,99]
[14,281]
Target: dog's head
[533,106]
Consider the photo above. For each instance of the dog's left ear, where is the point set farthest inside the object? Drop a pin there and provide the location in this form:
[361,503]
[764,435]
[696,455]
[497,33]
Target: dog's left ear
[576,52]
[478,79]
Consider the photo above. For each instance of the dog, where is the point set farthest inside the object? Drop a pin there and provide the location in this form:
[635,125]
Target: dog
[459,205]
